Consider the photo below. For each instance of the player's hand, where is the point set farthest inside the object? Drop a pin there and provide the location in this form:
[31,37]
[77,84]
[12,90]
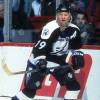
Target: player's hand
[42,64]
[77,59]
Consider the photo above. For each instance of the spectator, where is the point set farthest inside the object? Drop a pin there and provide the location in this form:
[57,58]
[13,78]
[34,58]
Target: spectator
[28,6]
[15,5]
[80,5]
[36,7]
[19,17]
[76,5]
[86,28]
[43,8]
[49,8]
[1,29]
[1,20]
[20,22]
[1,8]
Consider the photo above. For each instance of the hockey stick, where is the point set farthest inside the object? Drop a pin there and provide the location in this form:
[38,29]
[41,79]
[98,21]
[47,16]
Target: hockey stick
[9,72]
[5,96]
[6,69]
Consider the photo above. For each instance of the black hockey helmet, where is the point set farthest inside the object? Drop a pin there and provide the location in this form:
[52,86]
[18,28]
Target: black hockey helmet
[63,8]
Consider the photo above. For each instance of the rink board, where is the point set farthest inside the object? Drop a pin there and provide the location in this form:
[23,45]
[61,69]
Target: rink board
[16,56]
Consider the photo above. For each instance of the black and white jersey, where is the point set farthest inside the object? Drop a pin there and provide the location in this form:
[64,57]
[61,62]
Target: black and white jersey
[54,44]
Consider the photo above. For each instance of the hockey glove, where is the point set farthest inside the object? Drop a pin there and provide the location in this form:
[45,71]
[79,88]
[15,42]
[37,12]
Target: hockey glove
[77,59]
[41,65]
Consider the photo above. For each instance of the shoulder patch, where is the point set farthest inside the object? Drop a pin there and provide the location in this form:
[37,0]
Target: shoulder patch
[45,34]
[48,29]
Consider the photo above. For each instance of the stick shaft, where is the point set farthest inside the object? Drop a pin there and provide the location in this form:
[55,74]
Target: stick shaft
[9,72]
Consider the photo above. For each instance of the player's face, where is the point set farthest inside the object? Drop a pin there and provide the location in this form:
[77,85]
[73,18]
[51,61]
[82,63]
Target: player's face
[63,18]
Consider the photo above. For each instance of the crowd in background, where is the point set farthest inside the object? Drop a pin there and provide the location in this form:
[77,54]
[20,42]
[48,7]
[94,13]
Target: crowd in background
[87,19]
[35,7]
[22,9]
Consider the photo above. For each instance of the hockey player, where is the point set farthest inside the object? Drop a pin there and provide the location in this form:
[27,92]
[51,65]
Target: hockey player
[57,39]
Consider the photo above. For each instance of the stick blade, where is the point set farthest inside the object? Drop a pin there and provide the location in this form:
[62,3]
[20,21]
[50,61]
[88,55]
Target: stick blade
[5,68]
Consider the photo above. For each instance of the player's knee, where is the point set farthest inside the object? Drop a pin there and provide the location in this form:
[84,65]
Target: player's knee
[33,80]
[61,74]
[71,82]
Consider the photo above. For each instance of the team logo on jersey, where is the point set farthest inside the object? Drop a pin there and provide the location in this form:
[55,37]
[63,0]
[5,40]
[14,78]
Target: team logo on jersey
[46,31]
[45,34]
